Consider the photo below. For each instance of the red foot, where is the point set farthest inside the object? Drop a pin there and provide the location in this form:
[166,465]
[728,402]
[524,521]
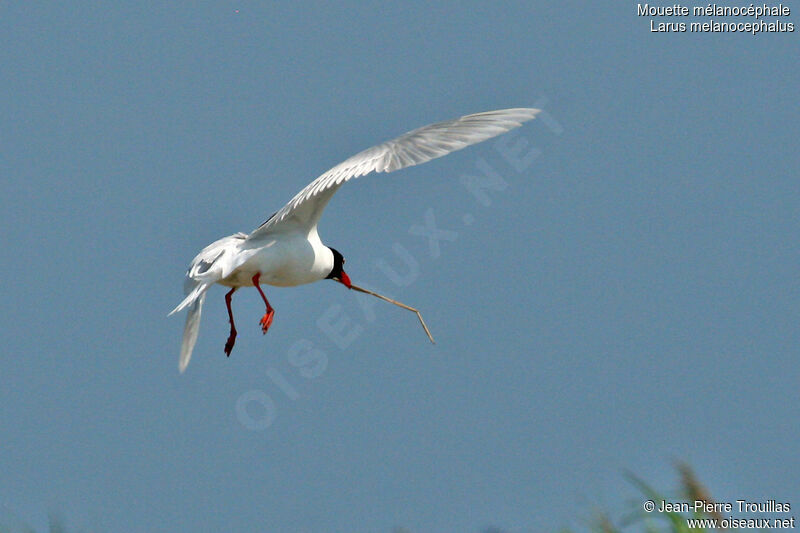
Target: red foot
[229,343]
[266,320]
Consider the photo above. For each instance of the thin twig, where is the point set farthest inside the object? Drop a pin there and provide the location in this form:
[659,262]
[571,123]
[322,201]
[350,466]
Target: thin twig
[399,304]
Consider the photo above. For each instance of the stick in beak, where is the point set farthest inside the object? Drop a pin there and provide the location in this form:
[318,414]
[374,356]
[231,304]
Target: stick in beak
[395,302]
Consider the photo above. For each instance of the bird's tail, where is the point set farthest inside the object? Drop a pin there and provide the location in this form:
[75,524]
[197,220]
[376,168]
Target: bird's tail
[190,331]
[194,290]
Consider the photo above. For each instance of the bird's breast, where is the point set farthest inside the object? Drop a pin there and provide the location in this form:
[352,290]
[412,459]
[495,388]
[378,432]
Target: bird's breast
[287,262]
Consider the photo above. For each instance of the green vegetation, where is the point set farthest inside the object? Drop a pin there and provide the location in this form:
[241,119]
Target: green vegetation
[637,519]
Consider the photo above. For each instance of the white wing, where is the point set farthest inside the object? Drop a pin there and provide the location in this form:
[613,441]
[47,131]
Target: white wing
[190,331]
[413,148]
[214,262]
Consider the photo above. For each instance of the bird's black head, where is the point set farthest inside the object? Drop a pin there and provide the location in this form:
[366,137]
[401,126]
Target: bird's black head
[337,272]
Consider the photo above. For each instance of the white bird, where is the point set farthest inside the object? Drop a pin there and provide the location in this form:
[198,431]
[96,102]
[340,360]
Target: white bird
[286,250]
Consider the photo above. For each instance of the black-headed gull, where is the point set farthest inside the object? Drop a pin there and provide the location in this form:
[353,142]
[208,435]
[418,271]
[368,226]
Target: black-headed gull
[286,250]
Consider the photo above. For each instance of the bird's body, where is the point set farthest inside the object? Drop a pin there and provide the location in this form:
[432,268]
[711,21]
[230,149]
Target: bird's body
[286,250]
[285,260]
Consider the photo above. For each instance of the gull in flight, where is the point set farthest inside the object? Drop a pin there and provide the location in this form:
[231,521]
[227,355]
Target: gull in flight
[286,250]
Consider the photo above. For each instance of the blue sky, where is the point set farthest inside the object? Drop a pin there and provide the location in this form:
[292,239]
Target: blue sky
[626,295]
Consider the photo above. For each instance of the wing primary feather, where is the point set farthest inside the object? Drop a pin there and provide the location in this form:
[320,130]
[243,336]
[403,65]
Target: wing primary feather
[412,148]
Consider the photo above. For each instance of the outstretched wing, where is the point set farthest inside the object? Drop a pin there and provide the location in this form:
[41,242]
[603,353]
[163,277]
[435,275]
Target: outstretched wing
[413,148]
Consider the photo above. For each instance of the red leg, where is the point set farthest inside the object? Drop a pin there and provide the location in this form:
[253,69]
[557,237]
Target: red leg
[266,320]
[232,337]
